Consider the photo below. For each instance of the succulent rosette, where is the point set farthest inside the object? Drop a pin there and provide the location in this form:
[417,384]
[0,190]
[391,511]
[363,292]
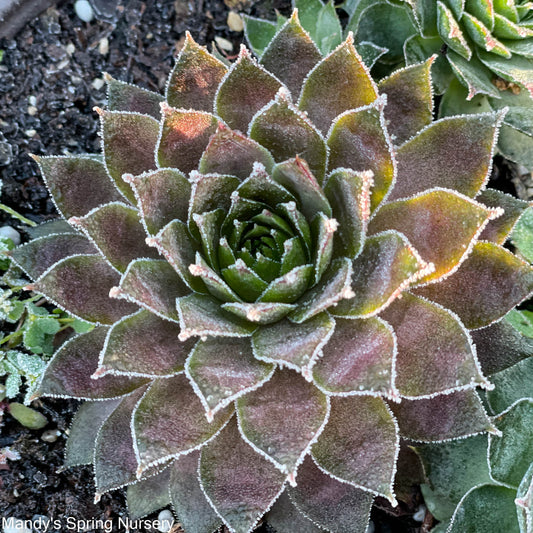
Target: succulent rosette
[283,262]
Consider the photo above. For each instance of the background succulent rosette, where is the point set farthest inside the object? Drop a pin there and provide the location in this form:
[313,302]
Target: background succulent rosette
[288,268]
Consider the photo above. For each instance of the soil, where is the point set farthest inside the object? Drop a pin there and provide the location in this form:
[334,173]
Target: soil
[50,79]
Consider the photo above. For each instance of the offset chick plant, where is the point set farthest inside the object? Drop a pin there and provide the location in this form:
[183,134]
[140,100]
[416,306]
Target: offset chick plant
[283,261]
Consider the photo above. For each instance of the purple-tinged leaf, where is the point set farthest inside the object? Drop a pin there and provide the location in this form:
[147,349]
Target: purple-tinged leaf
[500,346]
[333,287]
[231,152]
[246,89]
[188,500]
[442,225]
[424,329]
[69,372]
[128,143]
[296,176]
[293,345]
[162,196]
[122,96]
[289,287]
[291,54]
[386,267]
[358,140]
[170,421]
[152,284]
[358,359]
[79,449]
[148,495]
[409,100]
[360,444]
[207,228]
[454,152]
[240,484]
[202,316]
[490,282]
[77,184]
[221,370]
[285,518]
[194,78]
[348,193]
[80,285]
[498,230]
[116,231]
[260,312]
[184,136]
[285,130]
[144,345]
[339,82]
[263,416]
[115,464]
[443,417]
[174,242]
[37,256]
[330,504]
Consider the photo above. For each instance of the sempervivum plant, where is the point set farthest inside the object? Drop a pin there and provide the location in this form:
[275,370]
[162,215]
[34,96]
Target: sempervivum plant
[282,261]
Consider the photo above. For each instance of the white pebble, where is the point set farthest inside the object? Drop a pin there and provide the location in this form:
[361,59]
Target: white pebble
[235,22]
[103,46]
[32,100]
[70,49]
[98,83]
[30,133]
[224,44]
[420,514]
[32,110]
[51,435]
[84,10]
[15,525]
[10,233]
[166,520]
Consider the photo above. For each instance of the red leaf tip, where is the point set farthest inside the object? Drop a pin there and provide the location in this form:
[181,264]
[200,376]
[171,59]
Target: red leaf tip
[115,292]
[99,110]
[107,77]
[152,242]
[29,287]
[128,178]
[165,108]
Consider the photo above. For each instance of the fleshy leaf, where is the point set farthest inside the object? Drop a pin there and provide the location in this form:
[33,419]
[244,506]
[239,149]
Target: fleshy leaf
[194,78]
[291,54]
[330,504]
[69,372]
[339,82]
[170,421]
[37,256]
[128,142]
[360,444]
[384,268]
[195,513]
[239,483]
[284,517]
[440,224]
[359,140]
[454,153]
[244,91]
[79,449]
[293,345]
[260,312]
[511,454]
[115,464]
[146,345]
[148,495]
[424,329]
[499,229]
[284,131]
[154,285]
[357,359]
[81,285]
[184,137]
[77,184]
[263,416]
[443,417]
[451,31]
[409,100]
[202,315]
[231,152]
[290,286]
[122,96]
[348,193]
[490,282]
[163,195]
[117,232]
[223,369]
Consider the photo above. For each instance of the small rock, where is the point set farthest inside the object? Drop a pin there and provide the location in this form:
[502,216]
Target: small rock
[103,46]
[235,22]
[15,525]
[166,520]
[6,153]
[32,100]
[224,44]
[30,133]
[41,522]
[50,435]
[10,233]
[98,83]
[420,514]
[70,49]
[32,110]
[84,10]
